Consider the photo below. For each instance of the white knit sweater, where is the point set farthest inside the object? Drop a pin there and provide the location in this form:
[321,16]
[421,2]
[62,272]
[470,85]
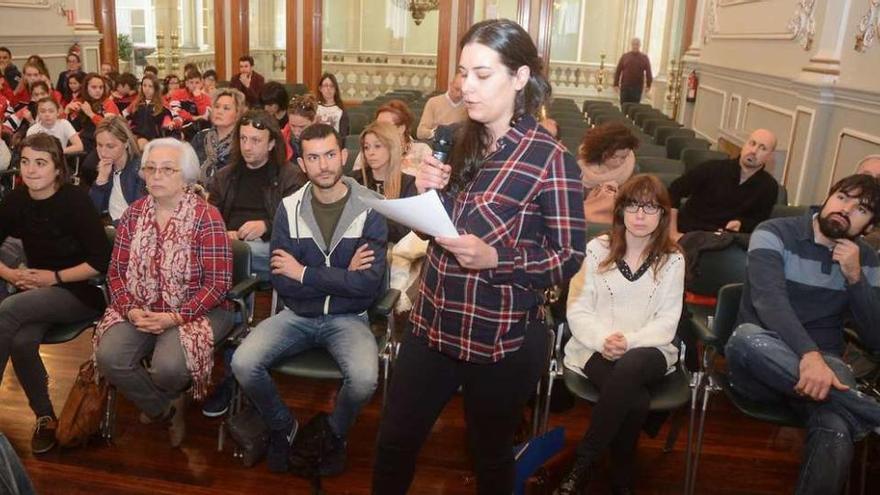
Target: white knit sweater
[646,311]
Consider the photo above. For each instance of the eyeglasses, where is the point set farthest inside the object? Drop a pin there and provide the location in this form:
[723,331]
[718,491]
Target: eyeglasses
[648,208]
[150,171]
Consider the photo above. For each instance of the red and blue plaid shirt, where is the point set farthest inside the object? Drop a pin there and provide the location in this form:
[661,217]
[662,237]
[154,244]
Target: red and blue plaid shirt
[527,202]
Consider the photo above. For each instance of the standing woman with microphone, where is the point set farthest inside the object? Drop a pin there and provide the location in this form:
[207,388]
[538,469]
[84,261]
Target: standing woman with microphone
[516,198]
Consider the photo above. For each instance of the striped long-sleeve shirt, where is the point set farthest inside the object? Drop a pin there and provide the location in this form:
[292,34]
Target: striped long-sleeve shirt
[526,202]
[795,289]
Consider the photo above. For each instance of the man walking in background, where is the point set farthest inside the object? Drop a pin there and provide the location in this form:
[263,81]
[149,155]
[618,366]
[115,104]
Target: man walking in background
[633,73]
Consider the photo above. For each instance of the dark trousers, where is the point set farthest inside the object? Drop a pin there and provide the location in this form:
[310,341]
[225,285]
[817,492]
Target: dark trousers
[424,380]
[622,409]
[630,94]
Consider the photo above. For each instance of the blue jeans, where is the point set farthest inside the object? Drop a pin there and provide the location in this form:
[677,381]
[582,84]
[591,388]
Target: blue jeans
[346,337]
[13,478]
[762,367]
[260,259]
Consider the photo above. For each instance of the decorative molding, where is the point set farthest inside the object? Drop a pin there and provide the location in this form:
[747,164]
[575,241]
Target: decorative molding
[806,158]
[737,108]
[868,29]
[721,118]
[848,131]
[710,21]
[25,4]
[803,23]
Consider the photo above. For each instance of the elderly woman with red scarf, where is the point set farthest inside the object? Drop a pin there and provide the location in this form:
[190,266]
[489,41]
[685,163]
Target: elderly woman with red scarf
[169,273]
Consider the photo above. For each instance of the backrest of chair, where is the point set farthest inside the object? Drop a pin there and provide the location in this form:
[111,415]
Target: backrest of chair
[357,122]
[110,231]
[717,268]
[635,108]
[654,164]
[596,229]
[647,149]
[590,104]
[664,133]
[675,145]
[241,261]
[782,195]
[726,311]
[780,211]
[651,125]
[693,157]
[641,117]
[608,117]
[353,145]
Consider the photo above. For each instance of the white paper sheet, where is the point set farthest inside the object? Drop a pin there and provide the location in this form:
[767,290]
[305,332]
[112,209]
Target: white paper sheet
[423,213]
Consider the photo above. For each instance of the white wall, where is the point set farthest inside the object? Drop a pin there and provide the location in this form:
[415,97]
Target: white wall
[32,28]
[821,98]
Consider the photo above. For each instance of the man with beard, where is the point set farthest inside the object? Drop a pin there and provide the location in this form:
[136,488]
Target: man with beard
[734,195]
[805,274]
[320,272]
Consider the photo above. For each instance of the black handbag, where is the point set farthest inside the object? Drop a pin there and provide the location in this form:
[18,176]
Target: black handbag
[248,430]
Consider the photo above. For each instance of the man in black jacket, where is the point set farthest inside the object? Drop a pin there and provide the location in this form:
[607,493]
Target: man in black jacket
[248,191]
[733,195]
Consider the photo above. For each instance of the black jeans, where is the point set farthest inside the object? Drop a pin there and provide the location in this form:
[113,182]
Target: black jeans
[25,317]
[622,409]
[630,94]
[494,396]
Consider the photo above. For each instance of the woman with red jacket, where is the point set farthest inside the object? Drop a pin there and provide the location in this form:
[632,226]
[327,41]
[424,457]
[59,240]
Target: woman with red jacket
[86,112]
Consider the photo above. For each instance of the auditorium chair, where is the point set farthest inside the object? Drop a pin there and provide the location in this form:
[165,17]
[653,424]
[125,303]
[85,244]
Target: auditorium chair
[590,104]
[356,123]
[648,149]
[353,145]
[317,363]
[572,142]
[244,283]
[783,210]
[662,134]
[711,379]
[782,195]
[606,118]
[651,125]
[642,116]
[675,146]
[657,165]
[633,108]
[692,158]
[670,394]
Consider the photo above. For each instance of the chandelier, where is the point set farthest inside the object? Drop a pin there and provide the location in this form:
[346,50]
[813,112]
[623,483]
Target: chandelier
[418,8]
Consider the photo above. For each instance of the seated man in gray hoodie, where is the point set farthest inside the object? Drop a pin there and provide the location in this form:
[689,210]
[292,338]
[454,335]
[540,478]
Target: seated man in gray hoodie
[320,233]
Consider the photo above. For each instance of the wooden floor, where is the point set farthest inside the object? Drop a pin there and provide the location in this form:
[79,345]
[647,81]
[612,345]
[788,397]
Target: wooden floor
[741,456]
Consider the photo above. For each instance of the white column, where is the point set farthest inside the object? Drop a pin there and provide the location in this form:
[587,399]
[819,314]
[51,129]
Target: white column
[824,66]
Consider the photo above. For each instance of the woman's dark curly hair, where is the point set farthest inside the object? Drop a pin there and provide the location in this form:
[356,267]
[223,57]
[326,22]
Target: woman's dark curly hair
[601,142]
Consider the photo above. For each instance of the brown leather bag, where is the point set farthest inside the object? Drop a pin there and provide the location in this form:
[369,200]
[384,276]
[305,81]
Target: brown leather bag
[81,417]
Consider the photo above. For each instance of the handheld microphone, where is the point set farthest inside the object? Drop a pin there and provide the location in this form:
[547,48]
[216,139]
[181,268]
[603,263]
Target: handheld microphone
[442,143]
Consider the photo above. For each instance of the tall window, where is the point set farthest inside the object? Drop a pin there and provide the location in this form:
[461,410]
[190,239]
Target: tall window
[138,25]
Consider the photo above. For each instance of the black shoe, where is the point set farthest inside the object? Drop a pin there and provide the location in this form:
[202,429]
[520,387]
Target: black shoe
[576,481]
[43,439]
[218,402]
[279,448]
[318,451]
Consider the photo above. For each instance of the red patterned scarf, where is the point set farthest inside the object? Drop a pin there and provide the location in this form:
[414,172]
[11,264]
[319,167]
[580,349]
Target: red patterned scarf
[158,270]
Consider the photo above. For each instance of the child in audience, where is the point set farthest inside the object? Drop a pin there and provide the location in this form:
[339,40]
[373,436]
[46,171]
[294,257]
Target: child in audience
[48,122]
[170,84]
[623,310]
[189,105]
[301,113]
[209,81]
[330,108]
[147,113]
[125,91]
[74,88]
[24,114]
[86,112]
[273,98]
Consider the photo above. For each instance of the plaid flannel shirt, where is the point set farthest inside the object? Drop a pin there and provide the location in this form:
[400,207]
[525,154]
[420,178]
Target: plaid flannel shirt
[526,202]
[210,272]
